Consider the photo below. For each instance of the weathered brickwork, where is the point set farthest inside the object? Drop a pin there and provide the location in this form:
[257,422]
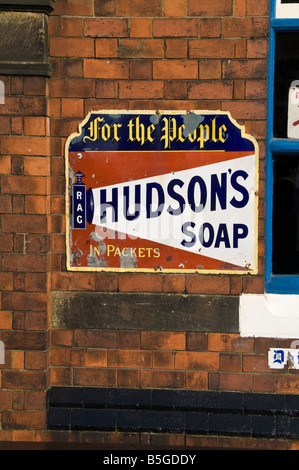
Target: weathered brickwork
[137,55]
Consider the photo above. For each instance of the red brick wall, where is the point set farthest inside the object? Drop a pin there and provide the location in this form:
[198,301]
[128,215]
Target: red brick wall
[120,54]
[24,254]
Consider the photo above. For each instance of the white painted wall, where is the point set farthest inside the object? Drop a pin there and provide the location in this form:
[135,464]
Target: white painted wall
[269,316]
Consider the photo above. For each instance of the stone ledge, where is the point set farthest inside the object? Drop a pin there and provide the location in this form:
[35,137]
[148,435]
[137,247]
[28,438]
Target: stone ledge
[142,311]
[45,6]
[24,48]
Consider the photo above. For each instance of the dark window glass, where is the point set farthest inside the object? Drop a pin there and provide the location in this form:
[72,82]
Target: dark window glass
[285,257]
[286,71]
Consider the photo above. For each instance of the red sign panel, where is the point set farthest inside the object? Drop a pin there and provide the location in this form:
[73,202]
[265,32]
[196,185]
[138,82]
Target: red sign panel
[167,192]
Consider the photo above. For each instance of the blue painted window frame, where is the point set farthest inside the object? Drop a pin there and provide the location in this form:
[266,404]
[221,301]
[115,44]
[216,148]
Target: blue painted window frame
[278,284]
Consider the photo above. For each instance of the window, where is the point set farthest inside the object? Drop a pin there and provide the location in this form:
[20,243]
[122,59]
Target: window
[282,186]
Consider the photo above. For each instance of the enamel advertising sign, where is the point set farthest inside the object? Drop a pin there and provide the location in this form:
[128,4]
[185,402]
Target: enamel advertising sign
[161,191]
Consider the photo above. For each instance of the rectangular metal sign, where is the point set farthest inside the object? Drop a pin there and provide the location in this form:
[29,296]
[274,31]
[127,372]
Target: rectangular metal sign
[161,191]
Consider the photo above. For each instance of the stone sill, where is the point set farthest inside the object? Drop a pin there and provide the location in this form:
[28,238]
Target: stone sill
[44,6]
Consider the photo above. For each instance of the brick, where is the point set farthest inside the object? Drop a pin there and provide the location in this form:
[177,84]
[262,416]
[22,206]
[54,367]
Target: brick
[240,8]
[253,286]
[5,125]
[61,376]
[74,8]
[96,358]
[177,8]
[26,420]
[5,320]
[229,343]
[24,105]
[21,263]
[264,383]
[175,69]
[54,26]
[82,281]
[36,166]
[72,107]
[107,8]
[197,380]
[6,243]
[176,48]
[91,105]
[162,379]
[106,89]
[245,27]
[5,204]
[187,360]
[246,109]
[61,337]
[24,301]
[96,339]
[6,281]
[257,48]
[179,27]
[175,89]
[25,145]
[173,283]
[231,381]
[140,27]
[231,362]
[94,377]
[72,68]
[35,360]
[141,48]
[37,243]
[5,164]
[141,70]
[139,283]
[19,380]
[19,243]
[16,85]
[36,282]
[211,48]
[60,357]
[57,204]
[64,127]
[129,340]
[255,7]
[256,89]
[24,185]
[24,223]
[163,360]
[36,125]
[162,340]
[71,27]
[213,9]
[106,69]
[255,363]
[196,341]
[127,358]
[128,378]
[141,89]
[131,8]
[210,27]
[73,88]
[36,86]
[71,47]
[208,285]
[106,27]
[106,48]
[210,90]
[17,125]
